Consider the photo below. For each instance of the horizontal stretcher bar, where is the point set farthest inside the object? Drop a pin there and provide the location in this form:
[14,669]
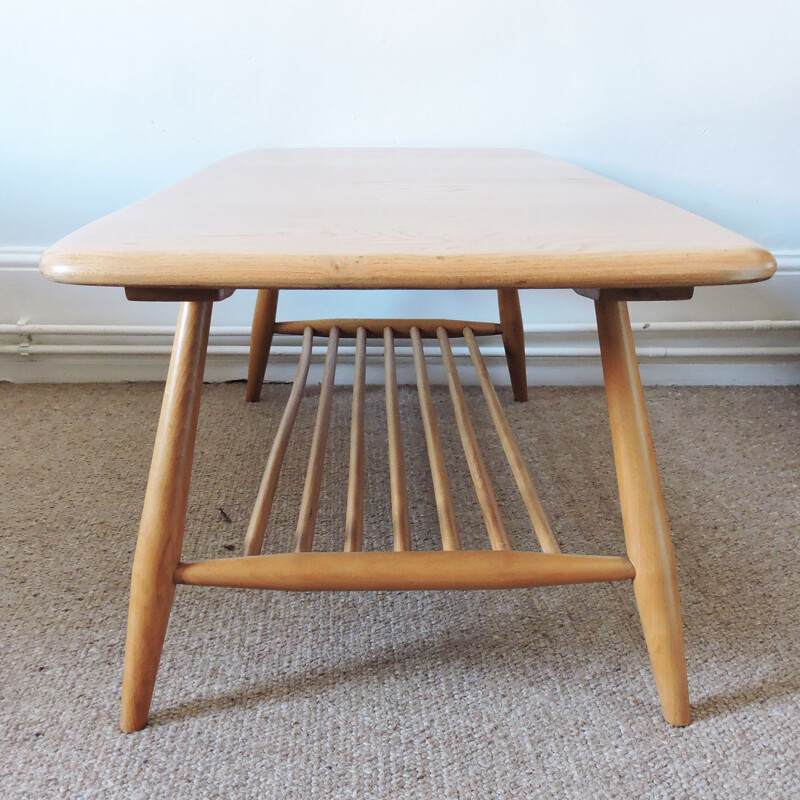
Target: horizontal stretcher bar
[401,328]
[398,571]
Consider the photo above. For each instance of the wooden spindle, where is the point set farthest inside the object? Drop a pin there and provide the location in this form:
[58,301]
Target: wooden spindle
[448,524]
[307,519]
[397,464]
[498,534]
[541,522]
[254,539]
[354,523]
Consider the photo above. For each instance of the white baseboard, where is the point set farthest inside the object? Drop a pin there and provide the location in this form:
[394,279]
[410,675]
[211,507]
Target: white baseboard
[51,333]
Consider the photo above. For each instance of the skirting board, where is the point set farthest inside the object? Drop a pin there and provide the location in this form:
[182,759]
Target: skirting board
[39,342]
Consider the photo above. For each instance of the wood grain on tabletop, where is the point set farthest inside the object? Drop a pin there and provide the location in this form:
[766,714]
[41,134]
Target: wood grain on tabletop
[384,218]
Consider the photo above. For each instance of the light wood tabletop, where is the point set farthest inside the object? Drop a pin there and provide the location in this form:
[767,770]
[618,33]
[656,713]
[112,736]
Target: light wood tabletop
[391,218]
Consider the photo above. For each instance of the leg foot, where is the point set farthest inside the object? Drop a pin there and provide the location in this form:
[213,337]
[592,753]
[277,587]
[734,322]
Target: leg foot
[261,341]
[644,516]
[158,548]
[513,341]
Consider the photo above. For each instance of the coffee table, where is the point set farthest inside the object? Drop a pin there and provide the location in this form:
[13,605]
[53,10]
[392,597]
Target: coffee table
[385,219]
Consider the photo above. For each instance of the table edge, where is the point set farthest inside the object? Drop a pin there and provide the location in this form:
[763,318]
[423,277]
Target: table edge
[397,271]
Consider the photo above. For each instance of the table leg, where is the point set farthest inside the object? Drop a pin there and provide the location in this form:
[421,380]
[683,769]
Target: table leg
[261,341]
[644,516]
[513,341]
[158,548]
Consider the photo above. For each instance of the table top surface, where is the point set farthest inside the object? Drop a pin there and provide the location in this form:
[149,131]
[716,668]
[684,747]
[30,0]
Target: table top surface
[391,218]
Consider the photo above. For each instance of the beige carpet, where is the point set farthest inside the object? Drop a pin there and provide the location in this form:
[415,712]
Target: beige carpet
[531,693]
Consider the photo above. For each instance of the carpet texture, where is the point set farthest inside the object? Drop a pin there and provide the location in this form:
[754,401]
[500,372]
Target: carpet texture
[542,693]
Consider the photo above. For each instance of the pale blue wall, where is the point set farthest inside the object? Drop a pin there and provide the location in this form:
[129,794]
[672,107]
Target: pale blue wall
[695,101]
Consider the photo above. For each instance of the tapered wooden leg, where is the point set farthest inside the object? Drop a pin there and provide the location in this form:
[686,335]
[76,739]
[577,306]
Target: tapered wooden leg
[513,341]
[644,516]
[261,341]
[158,547]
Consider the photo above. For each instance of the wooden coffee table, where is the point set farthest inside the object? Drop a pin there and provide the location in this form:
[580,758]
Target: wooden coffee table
[383,219]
